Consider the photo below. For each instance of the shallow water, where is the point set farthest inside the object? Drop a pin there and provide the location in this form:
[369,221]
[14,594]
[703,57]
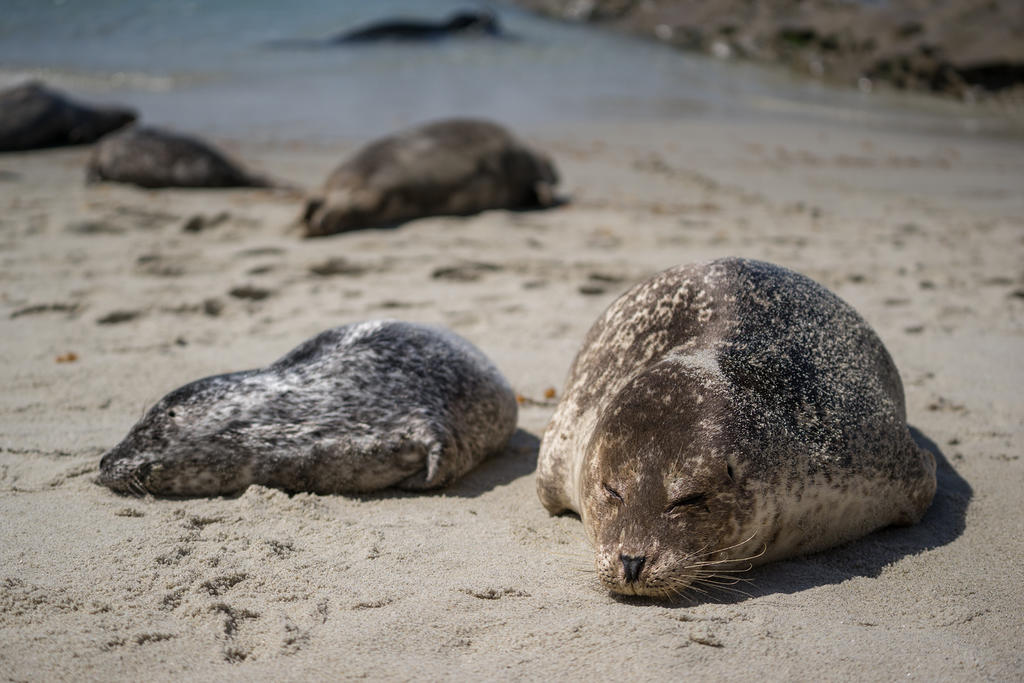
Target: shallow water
[217,67]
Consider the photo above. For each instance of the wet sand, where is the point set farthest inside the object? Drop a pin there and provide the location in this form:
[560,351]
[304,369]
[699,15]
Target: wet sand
[107,303]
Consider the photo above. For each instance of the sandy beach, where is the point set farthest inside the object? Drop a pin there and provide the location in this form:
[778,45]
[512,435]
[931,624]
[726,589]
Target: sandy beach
[107,302]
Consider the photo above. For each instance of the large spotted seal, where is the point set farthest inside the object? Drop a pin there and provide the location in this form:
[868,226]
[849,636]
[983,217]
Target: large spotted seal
[152,157]
[33,116]
[450,167]
[725,411]
[357,408]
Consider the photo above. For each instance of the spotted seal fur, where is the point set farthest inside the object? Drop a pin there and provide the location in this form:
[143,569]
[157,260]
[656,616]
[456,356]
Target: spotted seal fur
[152,157]
[357,408]
[725,412]
[33,116]
[449,167]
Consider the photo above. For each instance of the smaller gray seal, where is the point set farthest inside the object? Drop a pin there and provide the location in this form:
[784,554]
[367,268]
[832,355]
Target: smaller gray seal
[150,157]
[357,408]
[450,167]
[33,116]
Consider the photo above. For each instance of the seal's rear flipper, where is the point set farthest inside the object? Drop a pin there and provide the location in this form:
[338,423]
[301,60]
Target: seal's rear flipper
[433,476]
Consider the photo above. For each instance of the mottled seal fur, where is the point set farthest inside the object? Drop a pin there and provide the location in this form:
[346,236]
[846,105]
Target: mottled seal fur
[33,116]
[151,157]
[464,22]
[357,408]
[454,167]
[724,413]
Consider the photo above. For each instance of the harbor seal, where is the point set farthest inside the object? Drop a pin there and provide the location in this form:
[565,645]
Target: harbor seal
[724,413]
[450,167]
[357,408]
[460,23]
[33,116]
[152,158]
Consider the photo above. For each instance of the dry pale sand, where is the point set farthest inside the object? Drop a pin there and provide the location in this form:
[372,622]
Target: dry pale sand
[922,234]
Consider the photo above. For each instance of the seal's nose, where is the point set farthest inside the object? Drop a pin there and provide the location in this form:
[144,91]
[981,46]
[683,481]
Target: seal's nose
[632,566]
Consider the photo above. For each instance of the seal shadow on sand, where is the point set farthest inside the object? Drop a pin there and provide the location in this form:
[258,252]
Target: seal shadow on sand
[518,460]
[942,524]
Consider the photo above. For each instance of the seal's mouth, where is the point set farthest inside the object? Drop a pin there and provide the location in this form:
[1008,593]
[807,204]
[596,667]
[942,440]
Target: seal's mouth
[658,589]
[697,574]
[121,477]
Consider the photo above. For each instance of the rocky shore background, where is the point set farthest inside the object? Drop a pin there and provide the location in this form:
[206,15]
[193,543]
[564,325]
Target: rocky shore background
[967,49]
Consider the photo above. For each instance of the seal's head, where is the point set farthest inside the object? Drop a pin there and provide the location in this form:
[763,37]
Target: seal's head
[351,204]
[661,492]
[189,442]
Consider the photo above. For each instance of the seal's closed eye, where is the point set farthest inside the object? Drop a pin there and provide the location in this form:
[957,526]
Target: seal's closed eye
[695,499]
[613,493]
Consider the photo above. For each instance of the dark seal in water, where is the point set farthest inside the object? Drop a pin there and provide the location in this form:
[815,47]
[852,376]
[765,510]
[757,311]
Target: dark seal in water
[460,23]
[727,413]
[357,408]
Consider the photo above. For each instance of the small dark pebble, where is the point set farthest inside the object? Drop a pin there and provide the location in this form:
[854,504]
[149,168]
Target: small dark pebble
[998,281]
[212,307]
[94,228]
[115,317]
[591,290]
[337,266]
[465,272]
[261,251]
[392,303]
[605,277]
[199,222]
[250,292]
[45,308]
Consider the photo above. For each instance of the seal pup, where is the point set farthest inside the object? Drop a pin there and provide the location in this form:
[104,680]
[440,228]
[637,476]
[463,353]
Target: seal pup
[355,409]
[450,167]
[33,116]
[152,158]
[723,413]
[461,23]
